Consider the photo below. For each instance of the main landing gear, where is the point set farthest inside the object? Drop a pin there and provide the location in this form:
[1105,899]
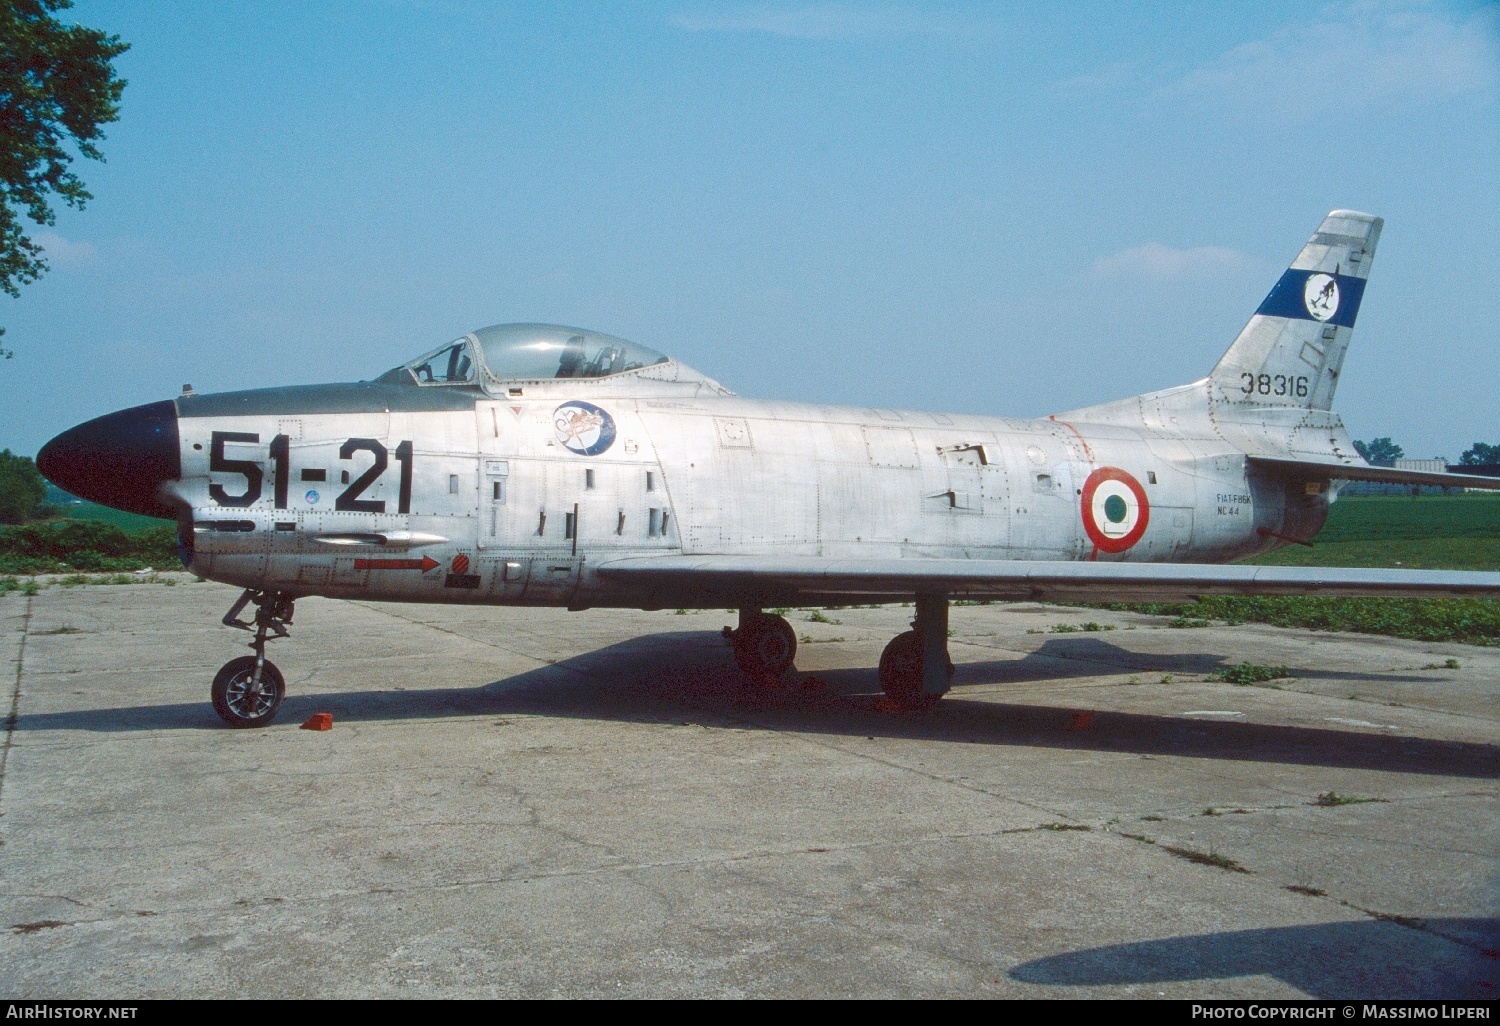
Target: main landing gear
[915,670]
[764,645]
[248,690]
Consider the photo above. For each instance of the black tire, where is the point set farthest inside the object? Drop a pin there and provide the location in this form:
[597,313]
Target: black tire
[766,647]
[901,672]
[236,704]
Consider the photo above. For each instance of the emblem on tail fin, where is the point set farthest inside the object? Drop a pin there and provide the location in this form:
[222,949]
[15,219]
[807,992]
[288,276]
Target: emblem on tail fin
[1321,296]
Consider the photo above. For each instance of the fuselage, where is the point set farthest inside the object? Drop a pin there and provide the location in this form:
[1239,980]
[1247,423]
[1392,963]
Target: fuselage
[514,500]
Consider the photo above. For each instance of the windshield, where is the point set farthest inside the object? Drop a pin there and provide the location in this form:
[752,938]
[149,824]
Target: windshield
[450,365]
[530,351]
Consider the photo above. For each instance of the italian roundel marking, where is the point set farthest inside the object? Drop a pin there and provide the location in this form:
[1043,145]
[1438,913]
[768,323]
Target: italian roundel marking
[583,428]
[1115,509]
[1321,296]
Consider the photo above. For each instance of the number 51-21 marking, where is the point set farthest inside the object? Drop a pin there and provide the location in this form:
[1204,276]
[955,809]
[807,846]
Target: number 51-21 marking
[280,455]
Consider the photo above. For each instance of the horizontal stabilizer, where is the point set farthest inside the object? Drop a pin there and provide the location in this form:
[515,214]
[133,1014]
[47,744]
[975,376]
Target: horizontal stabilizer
[1335,471]
[786,579]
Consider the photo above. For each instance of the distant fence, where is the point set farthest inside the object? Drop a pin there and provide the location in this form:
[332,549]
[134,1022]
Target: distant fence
[1440,466]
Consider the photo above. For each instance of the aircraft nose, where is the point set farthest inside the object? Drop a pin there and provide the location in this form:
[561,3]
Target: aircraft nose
[119,459]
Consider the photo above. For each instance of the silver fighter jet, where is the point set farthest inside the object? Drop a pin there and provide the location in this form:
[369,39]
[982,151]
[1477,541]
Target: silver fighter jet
[533,464]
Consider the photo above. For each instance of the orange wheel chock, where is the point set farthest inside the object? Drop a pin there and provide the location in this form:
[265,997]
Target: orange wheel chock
[319,721]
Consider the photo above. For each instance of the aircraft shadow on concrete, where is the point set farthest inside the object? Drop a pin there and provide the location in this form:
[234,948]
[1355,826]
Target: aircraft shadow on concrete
[1114,659]
[1371,958]
[689,676]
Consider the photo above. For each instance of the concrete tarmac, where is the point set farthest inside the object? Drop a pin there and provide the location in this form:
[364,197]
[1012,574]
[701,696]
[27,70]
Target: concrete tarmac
[528,803]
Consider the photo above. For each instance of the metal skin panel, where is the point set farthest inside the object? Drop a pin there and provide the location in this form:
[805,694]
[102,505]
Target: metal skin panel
[658,485]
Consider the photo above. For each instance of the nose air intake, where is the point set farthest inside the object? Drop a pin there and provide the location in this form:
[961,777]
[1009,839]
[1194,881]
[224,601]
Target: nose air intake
[119,460]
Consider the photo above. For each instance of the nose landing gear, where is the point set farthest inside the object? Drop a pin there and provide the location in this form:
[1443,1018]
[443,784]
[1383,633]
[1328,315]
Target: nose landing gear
[248,690]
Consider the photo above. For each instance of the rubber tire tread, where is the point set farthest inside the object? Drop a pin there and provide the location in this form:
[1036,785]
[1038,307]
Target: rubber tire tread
[220,691]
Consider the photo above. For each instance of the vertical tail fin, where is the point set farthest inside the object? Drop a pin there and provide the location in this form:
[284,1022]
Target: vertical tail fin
[1291,352]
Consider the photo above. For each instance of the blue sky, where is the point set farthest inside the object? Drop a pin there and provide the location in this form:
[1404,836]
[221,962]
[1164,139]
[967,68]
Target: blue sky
[989,208]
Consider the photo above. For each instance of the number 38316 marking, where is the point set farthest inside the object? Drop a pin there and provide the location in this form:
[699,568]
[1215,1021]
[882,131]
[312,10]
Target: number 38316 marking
[1274,384]
[280,453]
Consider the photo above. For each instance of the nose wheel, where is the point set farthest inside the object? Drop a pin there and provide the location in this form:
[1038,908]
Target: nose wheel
[247,695]
[248,690]
[764,645]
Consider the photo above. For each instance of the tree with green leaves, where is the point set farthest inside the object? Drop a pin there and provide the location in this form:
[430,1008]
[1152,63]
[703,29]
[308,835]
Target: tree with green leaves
[1480,454]
[21,488]
[56,83]
[1380,452]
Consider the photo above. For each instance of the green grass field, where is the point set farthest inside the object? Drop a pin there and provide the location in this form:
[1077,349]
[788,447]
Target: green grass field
[1429,532]
[130,523]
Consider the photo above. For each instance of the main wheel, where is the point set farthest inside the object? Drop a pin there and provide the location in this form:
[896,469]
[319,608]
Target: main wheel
[765,647]
[241,703]
[901,672]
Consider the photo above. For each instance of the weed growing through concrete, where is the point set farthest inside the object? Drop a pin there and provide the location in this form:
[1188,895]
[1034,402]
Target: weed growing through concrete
[1211,858]
[1189,621]
[1330,799]
[818,616]
[1446,664]
[1250,673]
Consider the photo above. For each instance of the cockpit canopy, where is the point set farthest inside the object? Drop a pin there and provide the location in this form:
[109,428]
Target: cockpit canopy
[530,352]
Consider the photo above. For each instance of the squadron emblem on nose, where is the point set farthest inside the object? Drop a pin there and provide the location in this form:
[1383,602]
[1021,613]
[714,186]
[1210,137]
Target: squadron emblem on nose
[1321,296]
[583,428]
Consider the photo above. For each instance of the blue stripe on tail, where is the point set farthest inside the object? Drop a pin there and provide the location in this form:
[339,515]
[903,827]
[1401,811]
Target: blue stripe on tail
[1286,299]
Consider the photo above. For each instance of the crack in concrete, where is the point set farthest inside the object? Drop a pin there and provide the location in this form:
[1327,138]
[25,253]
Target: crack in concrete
[15,696]
[1418,923]
[723,859]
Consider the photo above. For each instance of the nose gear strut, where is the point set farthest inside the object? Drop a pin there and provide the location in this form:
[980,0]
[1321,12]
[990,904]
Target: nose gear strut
[248,690]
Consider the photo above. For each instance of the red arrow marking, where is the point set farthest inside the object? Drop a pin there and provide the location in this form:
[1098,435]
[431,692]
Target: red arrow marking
[424,564]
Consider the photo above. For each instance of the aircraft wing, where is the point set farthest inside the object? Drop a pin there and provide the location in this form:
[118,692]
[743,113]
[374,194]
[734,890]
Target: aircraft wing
[1364,472]
[788,579]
